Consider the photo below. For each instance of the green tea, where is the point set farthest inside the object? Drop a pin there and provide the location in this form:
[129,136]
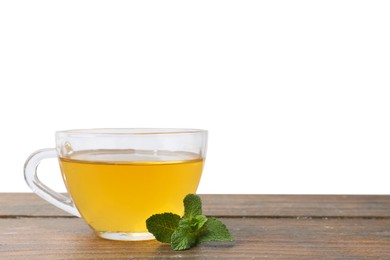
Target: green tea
[120,189]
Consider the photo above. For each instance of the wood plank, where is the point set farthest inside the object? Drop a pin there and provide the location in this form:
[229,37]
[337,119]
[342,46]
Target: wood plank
[71,238]
[28,204]
[298,205]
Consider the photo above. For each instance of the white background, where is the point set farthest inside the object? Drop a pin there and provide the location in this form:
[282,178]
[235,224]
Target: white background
[295,94]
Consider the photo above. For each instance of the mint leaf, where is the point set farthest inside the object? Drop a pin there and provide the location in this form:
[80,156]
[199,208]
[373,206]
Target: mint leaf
[200,220]
[162,226]
[214,230]
[192,206]
[192,228]
[195,223]
[183,238]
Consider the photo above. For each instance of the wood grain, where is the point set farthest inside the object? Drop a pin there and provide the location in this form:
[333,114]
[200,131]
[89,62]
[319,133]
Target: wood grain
[264,226]
[28,204]
[59,238]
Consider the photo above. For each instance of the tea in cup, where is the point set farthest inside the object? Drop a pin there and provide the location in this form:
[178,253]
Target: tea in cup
[117,178]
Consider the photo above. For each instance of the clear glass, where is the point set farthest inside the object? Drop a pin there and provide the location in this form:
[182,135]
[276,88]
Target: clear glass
[116,178]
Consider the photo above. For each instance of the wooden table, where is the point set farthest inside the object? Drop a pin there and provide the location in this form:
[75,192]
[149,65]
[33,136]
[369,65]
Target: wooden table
[264,226]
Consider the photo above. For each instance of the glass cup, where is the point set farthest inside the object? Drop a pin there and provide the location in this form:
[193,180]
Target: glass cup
[117,178]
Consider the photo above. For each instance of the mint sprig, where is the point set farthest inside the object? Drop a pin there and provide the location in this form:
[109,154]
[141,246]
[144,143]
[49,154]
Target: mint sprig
[162,226]
[193,228]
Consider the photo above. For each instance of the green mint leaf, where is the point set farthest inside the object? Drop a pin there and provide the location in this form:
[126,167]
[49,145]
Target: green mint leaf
[162,226]
[214,230]
[185,222]
[200,220]
[192,206]
[183,238]
[187,233]
[192,228]
[195,223]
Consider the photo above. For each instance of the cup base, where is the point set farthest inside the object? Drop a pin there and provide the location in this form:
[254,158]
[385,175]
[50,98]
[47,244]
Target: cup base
[126,236]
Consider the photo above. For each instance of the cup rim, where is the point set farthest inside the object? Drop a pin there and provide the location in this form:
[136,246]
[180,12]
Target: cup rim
[130,131]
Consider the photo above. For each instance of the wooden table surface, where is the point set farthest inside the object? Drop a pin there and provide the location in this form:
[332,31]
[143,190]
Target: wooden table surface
[264,226]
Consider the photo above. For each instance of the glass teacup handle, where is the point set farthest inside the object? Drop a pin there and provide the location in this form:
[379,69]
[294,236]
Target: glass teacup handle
[30,174]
